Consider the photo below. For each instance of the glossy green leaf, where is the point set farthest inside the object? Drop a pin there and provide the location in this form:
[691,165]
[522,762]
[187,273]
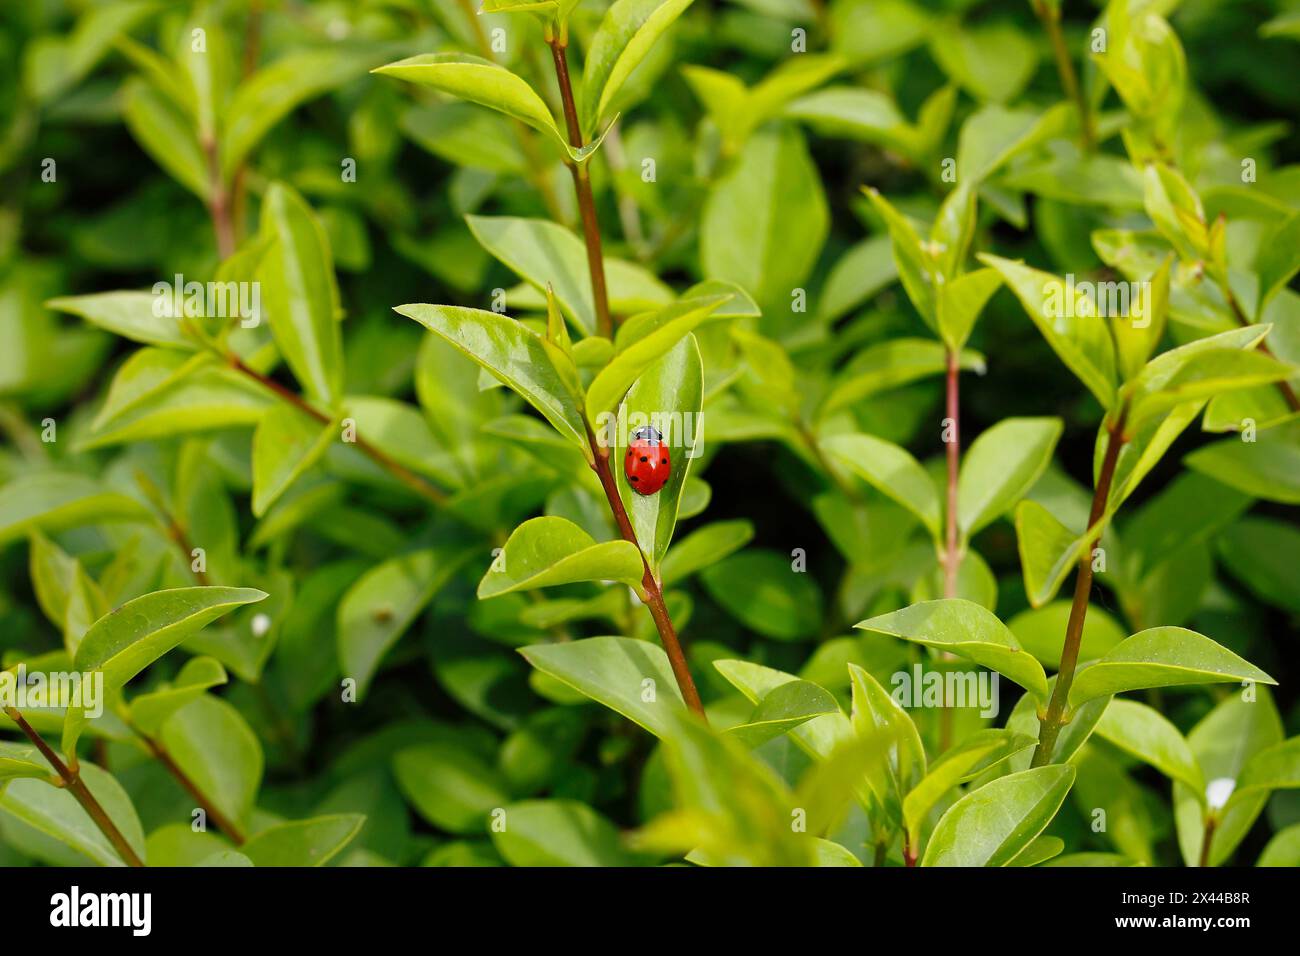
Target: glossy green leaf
[312,842]
[55,814]
[140,316]
[891,470]
[1048,550]
[559,833]
[624,37]
[782,709]
[218,751]
[149,710]
[992,825]
[705,547]
[765,591]
[142,630]
[626,675]
[1161,657]
[1070,327]
[1148,735]
[514,355]
[640,345]
[668,395]
[1000,467]
[967,630]
[896,767]
[301,295]
[286,444]
[548,551]
[965,761]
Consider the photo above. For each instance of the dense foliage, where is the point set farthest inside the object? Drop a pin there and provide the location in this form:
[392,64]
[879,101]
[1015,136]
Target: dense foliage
[968,327]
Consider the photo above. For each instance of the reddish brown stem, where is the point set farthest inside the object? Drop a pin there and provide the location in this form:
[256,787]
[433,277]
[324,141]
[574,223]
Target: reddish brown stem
[1055,716]
[381,458]
[654,597]
[219,205]
[951,553]
[582,186]
[223,823]
[73,783]
[1206,839]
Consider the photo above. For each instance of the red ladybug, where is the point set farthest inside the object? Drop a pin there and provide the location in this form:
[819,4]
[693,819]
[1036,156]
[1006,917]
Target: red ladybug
[647,465]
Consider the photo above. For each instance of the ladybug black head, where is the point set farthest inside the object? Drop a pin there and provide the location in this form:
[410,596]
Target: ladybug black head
[648,433]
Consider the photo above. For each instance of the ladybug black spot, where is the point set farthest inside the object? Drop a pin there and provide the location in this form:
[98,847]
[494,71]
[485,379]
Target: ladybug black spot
[663,461]
[633,478]
[644,458]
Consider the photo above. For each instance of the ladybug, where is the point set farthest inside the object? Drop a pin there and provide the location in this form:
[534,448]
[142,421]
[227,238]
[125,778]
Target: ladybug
[647,465]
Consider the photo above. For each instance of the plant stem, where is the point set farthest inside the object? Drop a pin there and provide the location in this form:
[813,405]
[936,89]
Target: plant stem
[77,787]
[219,202]
[227,826]
[527,142]
[1055,717]
[1211,825]
[582,185]
[654,596]
[1050,15]
[951,554]
[399,471]
[1288,393]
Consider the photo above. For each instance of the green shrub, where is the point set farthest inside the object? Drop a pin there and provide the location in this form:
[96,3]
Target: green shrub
[331,333]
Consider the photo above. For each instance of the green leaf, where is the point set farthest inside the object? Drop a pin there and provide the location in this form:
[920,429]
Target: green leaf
[1264,555]
[312,842]
[625,35]
[1048,550]
[979,752]
[218,751]
[960,302]
[128,640]
[302,298]
[1274,768]
[549,551]
[1284,848]
[1041,631]
[274,91]
[1003,463]
[559,833]
[888,365]
[992,62]
[1268,467]
[640,343]
[1071,328]
[55,814]
[764,591]
[547,254]
[53,501]
[149,710]
[480,81]
[513,354]
[820,736]
[164,132]
[899,762]
[629,676]
[384,602]
[1146,734]
[18,761]
[703,548]
[670,396]
[1202,369]
[764,222]
[967,630]
[917,268]
[892,470]
[286,444]
[1162,657]
[132,315]
[1278,260]
[992,825]
[450,786]
[782,709]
